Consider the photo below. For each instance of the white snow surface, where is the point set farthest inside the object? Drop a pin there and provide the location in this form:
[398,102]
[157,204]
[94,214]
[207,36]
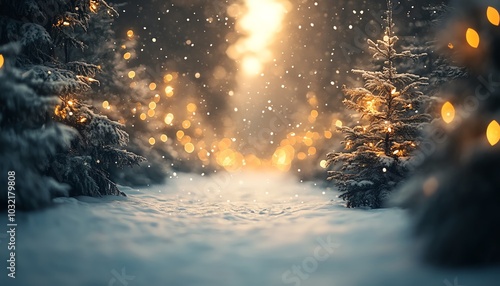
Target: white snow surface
[240,229]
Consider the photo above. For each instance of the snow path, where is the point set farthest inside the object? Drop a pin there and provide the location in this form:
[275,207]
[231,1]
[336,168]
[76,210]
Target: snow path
[248,229]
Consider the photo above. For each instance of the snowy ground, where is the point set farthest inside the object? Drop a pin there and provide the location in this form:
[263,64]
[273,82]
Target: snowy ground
[245,229]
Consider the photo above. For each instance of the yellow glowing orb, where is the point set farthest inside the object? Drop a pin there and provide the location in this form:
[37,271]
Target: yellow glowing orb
[105,104]
[164,138]
[493,133]
[191,107]
[130,33]
[131,74]
[143,116]
[169,91]
[2,60]
[323,164]
[472,38]
[186,124]
[152,141]
[493,16]
[189,148]
[338,123]
[169,118]
[127,56]
[448,112]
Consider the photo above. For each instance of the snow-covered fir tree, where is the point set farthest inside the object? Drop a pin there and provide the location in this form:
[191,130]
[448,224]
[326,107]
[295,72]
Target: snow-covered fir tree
[46,32]
[29,138]
[454,196]
[390,113]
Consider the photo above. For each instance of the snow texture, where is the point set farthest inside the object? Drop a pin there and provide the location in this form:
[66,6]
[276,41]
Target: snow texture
[243,229]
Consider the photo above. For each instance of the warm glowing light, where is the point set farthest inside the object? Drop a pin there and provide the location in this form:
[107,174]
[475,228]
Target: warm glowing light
[338,123]
[224,144]
[179,134]
[197,75]
[328,134]
[395,152]
[191,107]
[131,74]
[493,16]
[94,6]
[151,113]
[472,38]
[189,148]
[251,65]
[168,78]
[186,124]
[448,112]
[169,118]
[2,60]
[261,22]
[314,113]
[130,33]
[152,141]
[493,133]
[152,86]
[451,46]
[323,164]
[311,151]
[70,102]
[83,120]
[169,91]
[282,158]
[105,104]
[164,138]
[127,55]
[301,156]
[143,116]
[152,105]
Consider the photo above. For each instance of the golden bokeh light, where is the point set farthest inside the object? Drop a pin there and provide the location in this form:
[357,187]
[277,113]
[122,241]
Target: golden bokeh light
[151,113]
[493,133]
[169,118]
[168,78]
[152,105]
[179,134]
[164,138]
[472,37]
[323,164]
[130,33]
[143,116]
[338,124]
[105,104]
[2,60]
[152,141]
[191,107]
[127,56]
[448,112]
[189,148]
[493,16]
[131,74]
[152,86]
[283,157]
[186,124]
[169,91]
